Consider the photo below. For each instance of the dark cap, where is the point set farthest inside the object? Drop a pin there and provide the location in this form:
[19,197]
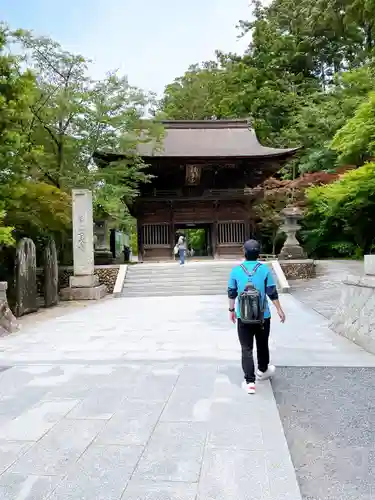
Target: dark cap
[251,246]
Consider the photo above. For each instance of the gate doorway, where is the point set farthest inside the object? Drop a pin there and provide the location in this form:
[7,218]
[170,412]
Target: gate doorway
[198,238]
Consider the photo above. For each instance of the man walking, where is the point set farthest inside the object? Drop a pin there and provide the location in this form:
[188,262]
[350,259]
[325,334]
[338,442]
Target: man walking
[250,283]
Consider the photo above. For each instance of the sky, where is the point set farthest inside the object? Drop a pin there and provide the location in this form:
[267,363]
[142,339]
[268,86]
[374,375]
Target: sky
[152,42]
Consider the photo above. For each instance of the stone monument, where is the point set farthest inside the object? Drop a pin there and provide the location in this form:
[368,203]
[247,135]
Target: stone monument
[291,249]
[25,278]
[354,317]
[51,274]
[84,284]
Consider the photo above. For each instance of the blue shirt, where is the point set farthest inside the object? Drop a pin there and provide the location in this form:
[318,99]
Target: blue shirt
[238,280]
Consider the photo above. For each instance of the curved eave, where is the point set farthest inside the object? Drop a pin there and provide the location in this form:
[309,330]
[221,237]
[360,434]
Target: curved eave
[270,153]
[103,158]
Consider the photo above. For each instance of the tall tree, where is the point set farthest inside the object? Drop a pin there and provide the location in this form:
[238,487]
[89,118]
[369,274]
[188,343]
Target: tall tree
[61,101]
[16,95]
[75,116]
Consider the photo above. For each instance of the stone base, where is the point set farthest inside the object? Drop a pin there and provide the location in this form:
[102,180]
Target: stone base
[354,317]
[292,252]
[298,269]
[89,281]
[103,258]
[80,293]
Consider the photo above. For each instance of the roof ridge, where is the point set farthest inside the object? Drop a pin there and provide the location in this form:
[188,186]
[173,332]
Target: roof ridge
[207,124]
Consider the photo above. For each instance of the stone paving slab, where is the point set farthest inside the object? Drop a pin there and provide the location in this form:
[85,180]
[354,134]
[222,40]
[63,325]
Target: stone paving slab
[233,474]
[133,424]
[174,453]
[101,473]
[149,490]
[59,449]
[26,487]
[104,458]
[10,451]
[180,329]
[112,403]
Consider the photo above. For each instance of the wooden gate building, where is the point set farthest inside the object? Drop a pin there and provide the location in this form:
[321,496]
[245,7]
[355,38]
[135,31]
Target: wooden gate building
[204,173]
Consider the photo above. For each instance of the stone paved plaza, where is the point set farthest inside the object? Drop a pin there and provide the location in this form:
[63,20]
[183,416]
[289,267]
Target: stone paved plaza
[140,399]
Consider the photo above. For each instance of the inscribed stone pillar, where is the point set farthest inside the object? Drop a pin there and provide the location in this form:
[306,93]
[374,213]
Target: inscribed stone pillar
[83,233]
[84,285]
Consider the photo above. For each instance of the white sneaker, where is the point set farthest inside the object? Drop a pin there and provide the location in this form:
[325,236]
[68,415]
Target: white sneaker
[267,374]
[249,388]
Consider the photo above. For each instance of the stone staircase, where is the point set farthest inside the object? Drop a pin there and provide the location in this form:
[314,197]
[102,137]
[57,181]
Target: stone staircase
[171,279]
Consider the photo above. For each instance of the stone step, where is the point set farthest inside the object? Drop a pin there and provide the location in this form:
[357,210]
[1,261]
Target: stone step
[191,275]
[176,283]
[180,271]
[177,279]
[168,293]
[148,288]
[199,278]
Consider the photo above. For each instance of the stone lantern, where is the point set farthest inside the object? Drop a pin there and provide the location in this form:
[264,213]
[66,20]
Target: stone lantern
[103,255]
[292,249]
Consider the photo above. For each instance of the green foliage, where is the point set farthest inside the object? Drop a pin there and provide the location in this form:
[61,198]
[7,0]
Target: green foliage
[355,141]
[318,160]
[6,236]
[340,217]
[307,79]
[196,239]
[53,118]
[37,208]
[17,91]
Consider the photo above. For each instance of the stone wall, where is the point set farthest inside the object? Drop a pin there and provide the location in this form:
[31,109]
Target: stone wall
[298,269]
[354,317]
[107,276]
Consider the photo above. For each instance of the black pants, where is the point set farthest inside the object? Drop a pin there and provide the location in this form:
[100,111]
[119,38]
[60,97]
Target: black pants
[246,334]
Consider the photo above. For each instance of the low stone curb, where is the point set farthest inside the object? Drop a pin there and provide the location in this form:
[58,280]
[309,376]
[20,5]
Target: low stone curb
[121,276]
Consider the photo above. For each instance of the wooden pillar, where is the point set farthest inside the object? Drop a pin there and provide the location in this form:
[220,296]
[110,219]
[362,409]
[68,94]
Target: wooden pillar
[214,232]
[140,240]
[248,221]
[172,238]
[248,231]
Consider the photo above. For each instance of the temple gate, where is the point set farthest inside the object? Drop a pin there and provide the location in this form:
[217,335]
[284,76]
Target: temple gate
[205,176]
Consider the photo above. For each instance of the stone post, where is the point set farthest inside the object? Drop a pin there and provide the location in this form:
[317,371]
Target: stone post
[8,323]
[84,284]
[369,264]
[25,278]
[291,249]
[51,275]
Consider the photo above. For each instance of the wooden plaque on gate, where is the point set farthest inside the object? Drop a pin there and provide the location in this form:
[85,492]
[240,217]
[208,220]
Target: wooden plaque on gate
[193,175]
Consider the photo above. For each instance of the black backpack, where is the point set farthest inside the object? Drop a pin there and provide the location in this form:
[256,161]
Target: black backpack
[251,304]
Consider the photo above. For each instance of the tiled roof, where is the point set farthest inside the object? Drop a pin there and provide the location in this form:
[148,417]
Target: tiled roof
[210,138]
